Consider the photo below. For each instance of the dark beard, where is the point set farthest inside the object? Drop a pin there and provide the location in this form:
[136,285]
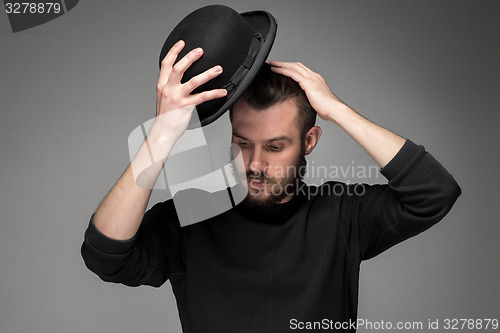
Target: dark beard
[287,186]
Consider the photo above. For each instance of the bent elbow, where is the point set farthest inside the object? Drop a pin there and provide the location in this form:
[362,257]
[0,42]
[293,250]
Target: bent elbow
[443,199]
[450,191]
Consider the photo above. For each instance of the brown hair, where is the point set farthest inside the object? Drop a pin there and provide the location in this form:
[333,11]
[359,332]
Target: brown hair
[269,88]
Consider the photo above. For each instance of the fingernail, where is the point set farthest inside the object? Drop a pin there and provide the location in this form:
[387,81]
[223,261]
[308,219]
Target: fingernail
[179,43]
[198,50]
[218,69]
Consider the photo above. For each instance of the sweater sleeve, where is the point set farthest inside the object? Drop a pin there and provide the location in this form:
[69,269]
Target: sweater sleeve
[151,257]
[420,192]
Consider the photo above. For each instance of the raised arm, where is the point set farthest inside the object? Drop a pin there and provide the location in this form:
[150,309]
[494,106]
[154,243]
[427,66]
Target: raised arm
[420,191]
[120,213]
[381,144]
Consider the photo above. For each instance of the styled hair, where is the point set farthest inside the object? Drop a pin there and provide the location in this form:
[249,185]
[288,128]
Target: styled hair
[269,88]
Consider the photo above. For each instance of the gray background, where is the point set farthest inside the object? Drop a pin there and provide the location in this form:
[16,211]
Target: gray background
[73,89]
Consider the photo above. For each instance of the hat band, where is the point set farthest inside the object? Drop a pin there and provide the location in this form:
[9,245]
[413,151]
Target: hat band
[242,71]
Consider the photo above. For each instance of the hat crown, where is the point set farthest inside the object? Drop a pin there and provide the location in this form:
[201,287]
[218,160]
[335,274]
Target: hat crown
[224,35]
[228,39]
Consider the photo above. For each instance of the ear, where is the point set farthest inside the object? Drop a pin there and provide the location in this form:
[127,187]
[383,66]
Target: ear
[312,138]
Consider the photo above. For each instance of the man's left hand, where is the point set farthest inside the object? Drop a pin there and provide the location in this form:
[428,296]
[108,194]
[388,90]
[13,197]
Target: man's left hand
[321,97]
[381,144]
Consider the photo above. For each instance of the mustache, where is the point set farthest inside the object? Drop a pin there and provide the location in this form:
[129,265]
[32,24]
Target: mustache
[260,177]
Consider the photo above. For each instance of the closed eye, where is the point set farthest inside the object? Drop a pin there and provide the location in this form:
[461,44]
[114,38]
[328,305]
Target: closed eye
[274,147]
[244,144]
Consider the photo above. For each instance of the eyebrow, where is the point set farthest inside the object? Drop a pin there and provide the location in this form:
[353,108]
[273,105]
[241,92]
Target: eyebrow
[278,138]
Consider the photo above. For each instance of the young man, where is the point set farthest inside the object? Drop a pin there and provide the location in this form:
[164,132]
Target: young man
[288,256]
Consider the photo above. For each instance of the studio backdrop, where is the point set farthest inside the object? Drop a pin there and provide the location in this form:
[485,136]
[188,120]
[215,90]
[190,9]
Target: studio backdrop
[73,88]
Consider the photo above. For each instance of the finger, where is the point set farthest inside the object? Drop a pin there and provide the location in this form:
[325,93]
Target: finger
[304,67]
[168,62]
[207,96]
[288,64]
[291,72]
[295,66]
[202,78]
[276,63]
[183,64]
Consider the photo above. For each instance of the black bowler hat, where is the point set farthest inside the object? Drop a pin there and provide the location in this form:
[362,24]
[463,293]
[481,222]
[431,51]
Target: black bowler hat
[240,43]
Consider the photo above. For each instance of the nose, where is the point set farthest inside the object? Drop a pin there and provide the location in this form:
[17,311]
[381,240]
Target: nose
[256,162]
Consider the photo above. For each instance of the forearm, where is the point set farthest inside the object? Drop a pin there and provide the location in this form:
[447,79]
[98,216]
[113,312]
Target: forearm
[120,213]
[381,144]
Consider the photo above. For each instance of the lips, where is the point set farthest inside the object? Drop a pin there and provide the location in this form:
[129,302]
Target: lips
[255,183]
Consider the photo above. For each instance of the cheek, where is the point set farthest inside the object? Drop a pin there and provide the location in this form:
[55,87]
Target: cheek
[281,166]
[246,158]
[276,164]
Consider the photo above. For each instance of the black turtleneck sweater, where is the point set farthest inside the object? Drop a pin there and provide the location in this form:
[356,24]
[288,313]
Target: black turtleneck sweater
[274,270]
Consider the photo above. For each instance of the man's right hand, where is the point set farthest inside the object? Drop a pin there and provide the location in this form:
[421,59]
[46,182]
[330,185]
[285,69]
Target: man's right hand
[120,213]
[174,101]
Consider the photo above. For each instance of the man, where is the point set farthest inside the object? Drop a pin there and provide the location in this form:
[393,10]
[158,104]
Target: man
[287,257]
